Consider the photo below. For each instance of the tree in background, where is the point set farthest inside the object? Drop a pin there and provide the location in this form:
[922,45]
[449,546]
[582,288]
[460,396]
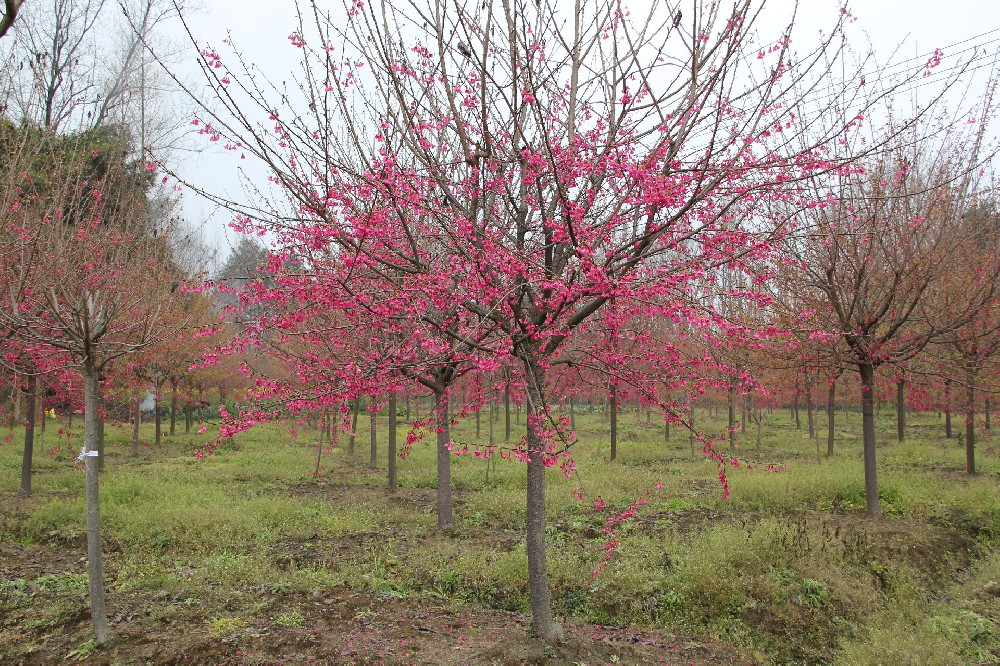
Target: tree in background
[86,278]
[880,249]
[971,346]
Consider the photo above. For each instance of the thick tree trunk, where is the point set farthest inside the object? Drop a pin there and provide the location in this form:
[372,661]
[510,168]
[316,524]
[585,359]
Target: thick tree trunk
[391,459]
[947,408]
[95,561]
[29,435]
[867,373]
[900,409]
[373,420]
[446,521]
[614,421]
[542,622]
[830,421]
[970,422]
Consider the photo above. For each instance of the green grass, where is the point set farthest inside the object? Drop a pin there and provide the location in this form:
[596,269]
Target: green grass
[788,568]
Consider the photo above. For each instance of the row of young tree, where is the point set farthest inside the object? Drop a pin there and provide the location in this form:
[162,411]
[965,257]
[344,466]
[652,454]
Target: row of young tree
[96,267]
[512,201]
[661,201]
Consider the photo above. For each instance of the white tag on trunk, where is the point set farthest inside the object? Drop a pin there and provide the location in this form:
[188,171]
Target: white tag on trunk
[85,454]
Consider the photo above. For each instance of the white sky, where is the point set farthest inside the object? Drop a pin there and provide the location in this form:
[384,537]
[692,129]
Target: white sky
[260,30]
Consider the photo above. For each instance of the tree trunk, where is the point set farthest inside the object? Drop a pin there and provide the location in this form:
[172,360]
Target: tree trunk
[731,405]
[173,407]
[691,430]
[319,453]
[135,425]
[95,560]
[745,413]
[16,400]
[41,405]
[29,435]
[947,408]
[810,412]
[493,408]
[830,421]
[900,409]
[479,427]
[373,462]
[201,400]
[156,415]
[446,521]
[867,373]
[506,407]
[970,422]
[572,415]
[987,408]
[354,425]
[542,622]
[847,402]
[391,460]
[100,426]
[614,421]
[795,407]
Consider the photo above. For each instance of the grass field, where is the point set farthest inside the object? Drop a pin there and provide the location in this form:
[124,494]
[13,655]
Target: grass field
[246,557]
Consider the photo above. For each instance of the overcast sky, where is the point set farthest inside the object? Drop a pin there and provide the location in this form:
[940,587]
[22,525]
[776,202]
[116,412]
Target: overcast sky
[260,29]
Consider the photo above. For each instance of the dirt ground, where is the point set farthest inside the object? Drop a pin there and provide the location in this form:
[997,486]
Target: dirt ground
[45,626]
